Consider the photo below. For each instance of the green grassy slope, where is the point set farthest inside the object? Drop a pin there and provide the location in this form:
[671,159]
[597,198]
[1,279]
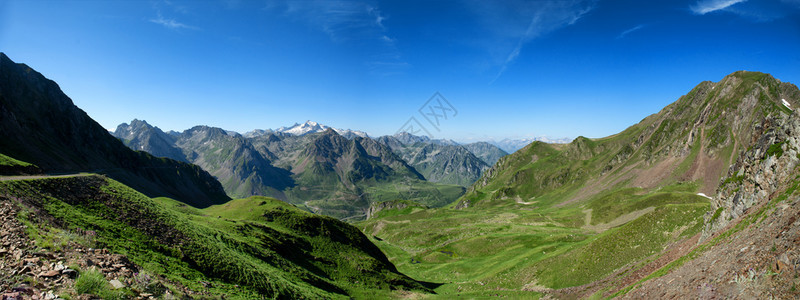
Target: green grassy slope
[557,216]
[12,166]
[265,246]
[522,248]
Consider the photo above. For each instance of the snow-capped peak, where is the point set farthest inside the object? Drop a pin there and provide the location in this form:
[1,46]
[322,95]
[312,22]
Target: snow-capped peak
[303,129]
[351,133]
[311,127]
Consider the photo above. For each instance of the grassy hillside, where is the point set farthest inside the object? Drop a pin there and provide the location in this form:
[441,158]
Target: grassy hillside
[592,215]
[12,166]
[692,139]
[244,248]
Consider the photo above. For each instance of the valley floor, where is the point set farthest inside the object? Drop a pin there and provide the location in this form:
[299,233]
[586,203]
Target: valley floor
[534,248]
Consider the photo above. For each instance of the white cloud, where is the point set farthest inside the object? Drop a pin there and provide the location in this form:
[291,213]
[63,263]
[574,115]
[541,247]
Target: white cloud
[626,32]
[171,23]
[755,11]
[387,39]
[703,7]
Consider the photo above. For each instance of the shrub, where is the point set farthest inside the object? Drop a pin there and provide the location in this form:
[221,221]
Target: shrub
[94,282]
[91,281]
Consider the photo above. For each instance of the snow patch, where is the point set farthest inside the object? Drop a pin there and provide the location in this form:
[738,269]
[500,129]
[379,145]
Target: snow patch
[704,195]
[314,127]
[786,103]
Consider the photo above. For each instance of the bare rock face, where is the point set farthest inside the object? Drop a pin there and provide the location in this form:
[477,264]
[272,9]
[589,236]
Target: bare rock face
[759,173]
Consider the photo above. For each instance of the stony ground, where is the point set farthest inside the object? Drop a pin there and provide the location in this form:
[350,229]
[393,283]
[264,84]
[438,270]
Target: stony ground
[28,271]
[760,262]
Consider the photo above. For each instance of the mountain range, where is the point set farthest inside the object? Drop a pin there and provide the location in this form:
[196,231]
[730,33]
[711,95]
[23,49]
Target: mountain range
[306,128]
[306,163]
[443,161]
[699,200]
[82,218]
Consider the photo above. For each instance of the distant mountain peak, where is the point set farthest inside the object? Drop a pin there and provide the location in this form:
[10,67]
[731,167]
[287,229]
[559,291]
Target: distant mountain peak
[137,121]
[512,145]
[307,127]
[330,131]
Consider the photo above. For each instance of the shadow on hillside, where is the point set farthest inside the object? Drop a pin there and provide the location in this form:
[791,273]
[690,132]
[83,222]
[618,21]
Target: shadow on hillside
[431,285]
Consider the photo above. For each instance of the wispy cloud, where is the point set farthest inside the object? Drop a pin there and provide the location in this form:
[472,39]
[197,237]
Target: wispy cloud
[703,7]
[755,11]
[347,21]
[626,32]
[170,23]
[342,20]
[527,21]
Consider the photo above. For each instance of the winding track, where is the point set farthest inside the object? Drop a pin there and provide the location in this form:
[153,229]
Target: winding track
[24,177]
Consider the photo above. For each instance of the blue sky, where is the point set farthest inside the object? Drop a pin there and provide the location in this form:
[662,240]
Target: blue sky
[514,69]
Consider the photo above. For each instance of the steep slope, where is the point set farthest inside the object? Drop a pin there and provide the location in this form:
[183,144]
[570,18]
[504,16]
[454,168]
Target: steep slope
[244,249]
[596,216]
[440,161]
[489,153]
[444,163]
[241,169]
[40,125]
[693,139]
[143,137]
[748,247]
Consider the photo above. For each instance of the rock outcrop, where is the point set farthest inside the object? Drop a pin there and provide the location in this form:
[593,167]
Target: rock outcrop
[377,207]
[765,169]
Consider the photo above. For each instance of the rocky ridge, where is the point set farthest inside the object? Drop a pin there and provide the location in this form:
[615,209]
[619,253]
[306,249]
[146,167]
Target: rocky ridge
[759,173]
